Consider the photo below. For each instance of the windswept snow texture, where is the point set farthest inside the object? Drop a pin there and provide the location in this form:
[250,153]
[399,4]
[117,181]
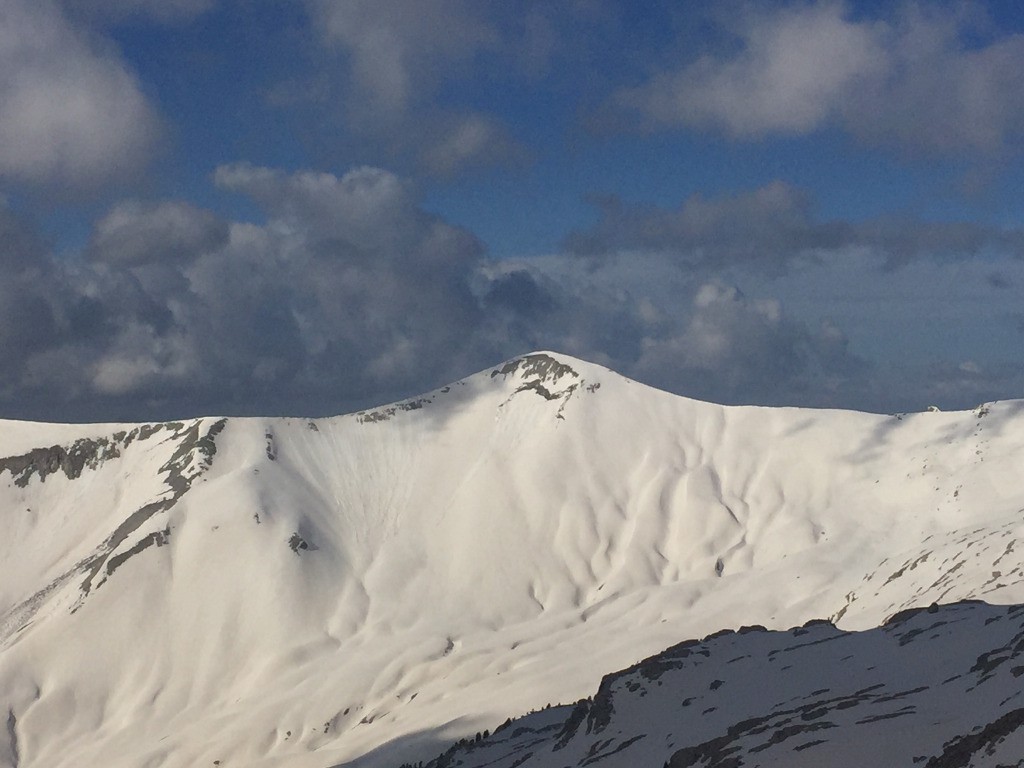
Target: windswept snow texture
[302,594]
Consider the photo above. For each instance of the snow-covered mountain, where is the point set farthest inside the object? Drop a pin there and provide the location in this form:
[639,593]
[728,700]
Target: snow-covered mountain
[371,587]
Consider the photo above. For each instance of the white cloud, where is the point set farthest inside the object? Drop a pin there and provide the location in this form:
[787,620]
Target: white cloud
[70,114]
[918,80]
[795,69]
[942,91]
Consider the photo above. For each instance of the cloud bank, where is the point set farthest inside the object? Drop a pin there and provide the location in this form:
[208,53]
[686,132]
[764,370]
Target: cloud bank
[773,227]
[349,290]
[350,294]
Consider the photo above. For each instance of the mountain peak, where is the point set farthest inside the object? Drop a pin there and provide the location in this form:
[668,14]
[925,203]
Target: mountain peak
[552,376]
[542,373]
[538,366]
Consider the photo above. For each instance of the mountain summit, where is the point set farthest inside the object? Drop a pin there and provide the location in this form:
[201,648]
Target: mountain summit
[304,593]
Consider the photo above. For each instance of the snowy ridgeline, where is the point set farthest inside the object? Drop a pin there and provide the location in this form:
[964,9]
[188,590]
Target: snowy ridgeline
[297,593]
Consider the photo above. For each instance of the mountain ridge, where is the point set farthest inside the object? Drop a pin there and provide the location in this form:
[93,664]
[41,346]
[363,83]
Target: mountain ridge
[322,587]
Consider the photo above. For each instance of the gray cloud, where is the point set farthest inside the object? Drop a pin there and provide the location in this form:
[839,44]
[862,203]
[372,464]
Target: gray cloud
[20,247]
[769,226]
[736,349]
[469,141]
[942,91]
[519,292]
[375,291]
[998,280]
[963,383]
[356,206]
[31,298]
[919,80]
[903,239]
[162,11]
[702,339]
[835,332]
[393,64]
[368,215]
[70,114]
[397,57]
[774,226]
[134,233]
[348,293]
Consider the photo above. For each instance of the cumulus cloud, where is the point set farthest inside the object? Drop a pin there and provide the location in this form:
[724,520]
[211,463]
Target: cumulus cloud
[919,80]
[357,203]
[519,292]
[737,349]
[700,338]
[70,113]
[943,90]
[376,288]
[141,359]
[835,332]
[349,292]
[366,216]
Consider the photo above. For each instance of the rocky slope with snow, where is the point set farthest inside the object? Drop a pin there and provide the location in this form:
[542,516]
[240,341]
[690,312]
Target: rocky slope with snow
[937,687]
[305,593]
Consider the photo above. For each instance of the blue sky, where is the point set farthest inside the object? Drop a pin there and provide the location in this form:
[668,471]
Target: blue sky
[311,206]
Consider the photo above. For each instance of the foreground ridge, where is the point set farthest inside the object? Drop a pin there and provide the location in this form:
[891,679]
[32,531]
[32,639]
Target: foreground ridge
[938,687]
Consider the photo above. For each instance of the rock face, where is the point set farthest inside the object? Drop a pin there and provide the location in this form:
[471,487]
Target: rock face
[194,448]
[938,687]
[367,589]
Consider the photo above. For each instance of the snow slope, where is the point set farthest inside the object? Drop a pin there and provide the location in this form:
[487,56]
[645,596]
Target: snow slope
[295,593]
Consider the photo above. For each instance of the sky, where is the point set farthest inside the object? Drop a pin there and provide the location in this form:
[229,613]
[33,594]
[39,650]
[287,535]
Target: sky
[307,207]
